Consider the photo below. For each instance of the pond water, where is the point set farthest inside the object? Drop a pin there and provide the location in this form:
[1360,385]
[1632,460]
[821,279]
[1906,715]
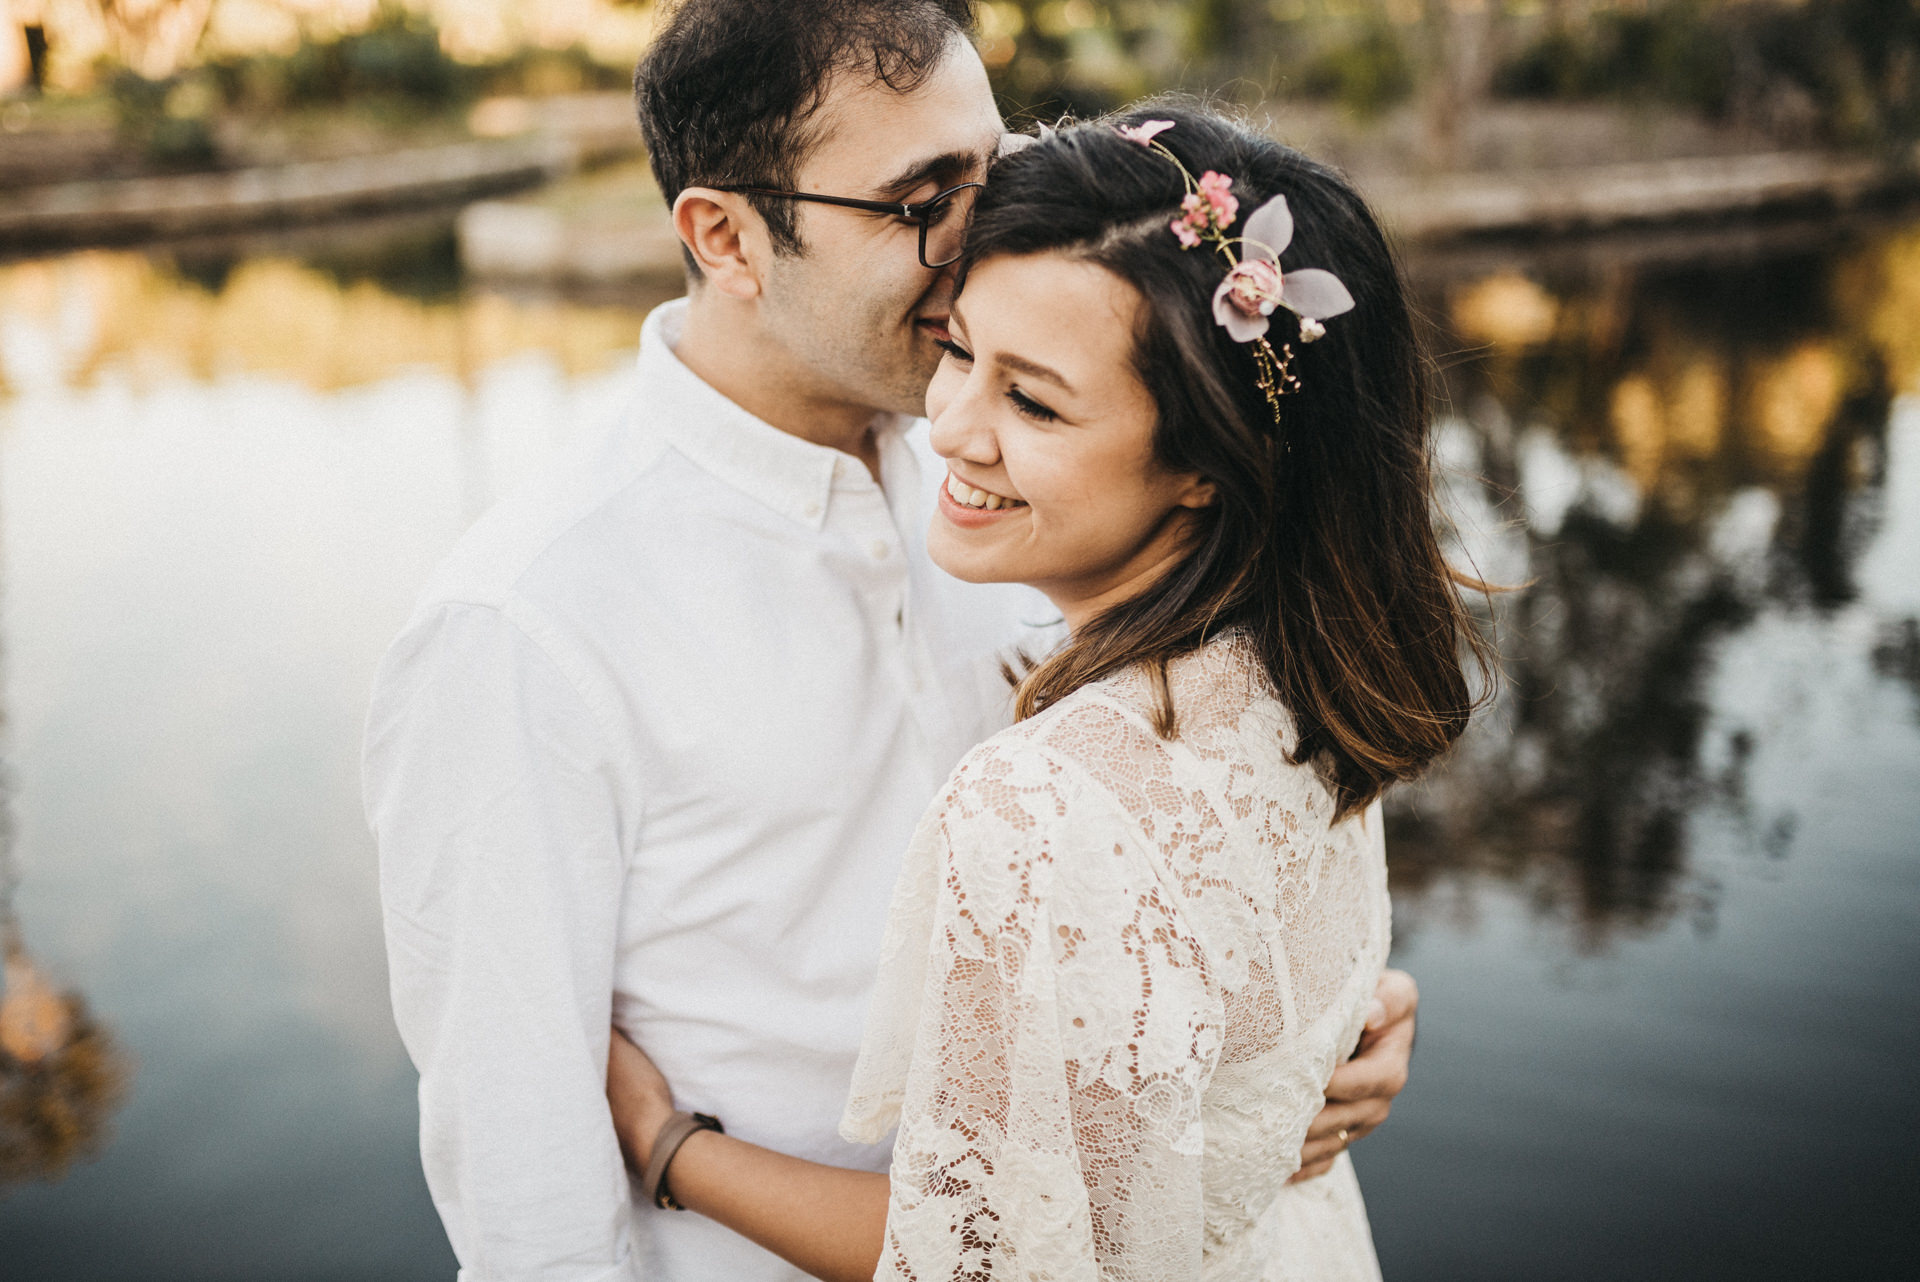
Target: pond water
[1662,903]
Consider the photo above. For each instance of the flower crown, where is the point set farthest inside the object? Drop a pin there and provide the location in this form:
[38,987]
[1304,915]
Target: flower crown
[1254,285]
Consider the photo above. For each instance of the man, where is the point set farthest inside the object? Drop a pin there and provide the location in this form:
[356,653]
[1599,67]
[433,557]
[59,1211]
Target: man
[652,744]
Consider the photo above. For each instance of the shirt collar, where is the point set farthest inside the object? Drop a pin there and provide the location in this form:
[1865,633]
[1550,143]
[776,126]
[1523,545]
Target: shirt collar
[795,478]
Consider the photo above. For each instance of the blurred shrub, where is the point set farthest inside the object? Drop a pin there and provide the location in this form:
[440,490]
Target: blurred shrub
[537,72]
[1366,74]
[1676,51]
[396,59]
[171,129]
[1844,71]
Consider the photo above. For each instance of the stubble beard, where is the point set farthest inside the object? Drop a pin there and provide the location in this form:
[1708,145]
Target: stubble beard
[865,349]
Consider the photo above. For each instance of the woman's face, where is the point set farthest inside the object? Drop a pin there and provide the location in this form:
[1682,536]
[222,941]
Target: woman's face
[1038,409]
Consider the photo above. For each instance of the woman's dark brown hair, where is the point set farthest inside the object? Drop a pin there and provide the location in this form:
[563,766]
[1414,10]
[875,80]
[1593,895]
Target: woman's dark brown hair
[1321,542]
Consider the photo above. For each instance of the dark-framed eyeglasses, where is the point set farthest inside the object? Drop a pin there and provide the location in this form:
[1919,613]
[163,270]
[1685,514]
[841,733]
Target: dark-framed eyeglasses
[942,218]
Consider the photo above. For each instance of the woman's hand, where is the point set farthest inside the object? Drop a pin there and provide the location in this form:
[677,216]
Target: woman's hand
[1362,1090]
[640,1099]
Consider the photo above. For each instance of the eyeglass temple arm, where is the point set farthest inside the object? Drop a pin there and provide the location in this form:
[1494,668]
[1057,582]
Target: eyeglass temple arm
[875,206]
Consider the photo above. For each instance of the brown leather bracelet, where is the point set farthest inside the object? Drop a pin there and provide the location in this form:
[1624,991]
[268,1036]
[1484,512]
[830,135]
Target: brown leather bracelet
[673,1133]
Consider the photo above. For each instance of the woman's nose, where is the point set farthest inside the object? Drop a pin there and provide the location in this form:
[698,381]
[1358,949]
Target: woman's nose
[963,429]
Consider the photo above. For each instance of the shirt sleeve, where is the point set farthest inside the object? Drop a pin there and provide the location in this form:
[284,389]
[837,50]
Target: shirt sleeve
[492,797]
[1066,1027]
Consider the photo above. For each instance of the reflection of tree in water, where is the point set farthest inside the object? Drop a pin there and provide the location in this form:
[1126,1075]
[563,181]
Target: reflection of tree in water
[61,1075]
[1896,653]
[1703,460]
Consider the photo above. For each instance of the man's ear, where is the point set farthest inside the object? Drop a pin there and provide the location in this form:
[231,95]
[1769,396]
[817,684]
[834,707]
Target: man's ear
[725,236]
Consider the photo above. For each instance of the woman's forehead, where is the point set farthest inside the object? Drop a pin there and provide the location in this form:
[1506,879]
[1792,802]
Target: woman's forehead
[1061,311]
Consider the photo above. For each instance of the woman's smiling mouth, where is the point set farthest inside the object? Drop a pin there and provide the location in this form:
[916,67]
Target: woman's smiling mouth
[979,500]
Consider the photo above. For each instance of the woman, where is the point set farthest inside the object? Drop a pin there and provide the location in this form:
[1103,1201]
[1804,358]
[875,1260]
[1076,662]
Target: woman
[1138,930]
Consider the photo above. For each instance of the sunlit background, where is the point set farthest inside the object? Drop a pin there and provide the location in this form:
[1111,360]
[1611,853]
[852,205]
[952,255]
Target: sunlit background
[1662,902]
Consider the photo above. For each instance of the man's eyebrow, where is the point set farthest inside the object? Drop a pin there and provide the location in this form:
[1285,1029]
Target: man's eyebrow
[948,164]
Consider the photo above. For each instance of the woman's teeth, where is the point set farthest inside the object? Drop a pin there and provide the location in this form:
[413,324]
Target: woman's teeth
[967,496]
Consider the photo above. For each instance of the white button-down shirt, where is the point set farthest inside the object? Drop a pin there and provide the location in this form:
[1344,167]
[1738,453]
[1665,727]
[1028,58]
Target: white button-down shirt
[649,750]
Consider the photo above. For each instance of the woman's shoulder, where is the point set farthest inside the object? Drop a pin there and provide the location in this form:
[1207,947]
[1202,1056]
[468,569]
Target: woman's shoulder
[1220,695]
[1101,739]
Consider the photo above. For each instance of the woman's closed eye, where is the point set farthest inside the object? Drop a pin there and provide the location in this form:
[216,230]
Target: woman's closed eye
[1022,403]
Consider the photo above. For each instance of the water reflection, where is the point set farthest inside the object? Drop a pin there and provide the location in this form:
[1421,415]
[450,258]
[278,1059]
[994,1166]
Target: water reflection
[61,1073]
[1658,455]
[151,322]
[223,476]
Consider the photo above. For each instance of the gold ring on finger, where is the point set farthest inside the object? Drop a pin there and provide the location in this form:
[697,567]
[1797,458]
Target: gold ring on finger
[1342,1137]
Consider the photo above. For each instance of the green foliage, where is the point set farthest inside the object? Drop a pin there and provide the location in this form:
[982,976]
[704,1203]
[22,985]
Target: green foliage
[165,125]
[1678,52]
[398,63]
[397,59]
[1366,74]
[1854,64]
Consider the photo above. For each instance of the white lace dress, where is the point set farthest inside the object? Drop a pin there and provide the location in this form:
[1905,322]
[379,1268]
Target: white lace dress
[1117,975]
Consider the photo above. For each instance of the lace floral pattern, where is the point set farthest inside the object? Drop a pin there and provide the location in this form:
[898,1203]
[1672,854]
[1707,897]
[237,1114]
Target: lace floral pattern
[1118,972]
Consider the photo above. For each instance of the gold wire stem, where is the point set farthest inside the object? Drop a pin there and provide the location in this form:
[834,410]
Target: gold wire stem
[1275,375]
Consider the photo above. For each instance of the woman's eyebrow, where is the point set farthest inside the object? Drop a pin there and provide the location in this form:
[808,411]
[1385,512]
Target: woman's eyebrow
[1045,373]
[1035,368]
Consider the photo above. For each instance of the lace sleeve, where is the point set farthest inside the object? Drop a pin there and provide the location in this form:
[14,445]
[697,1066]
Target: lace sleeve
[1064,1028]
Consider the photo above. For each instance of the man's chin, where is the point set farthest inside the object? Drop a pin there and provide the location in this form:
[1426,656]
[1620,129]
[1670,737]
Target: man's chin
[912,396]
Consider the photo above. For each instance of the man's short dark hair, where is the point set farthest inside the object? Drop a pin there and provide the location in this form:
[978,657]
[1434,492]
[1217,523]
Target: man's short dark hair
[727,92]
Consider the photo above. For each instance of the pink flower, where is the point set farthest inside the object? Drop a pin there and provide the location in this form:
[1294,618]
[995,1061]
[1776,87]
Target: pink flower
[1250,292]
[1216,189]
[1246,297]
[1144,132]
[1191,222]
[1254,287]
[1213,207]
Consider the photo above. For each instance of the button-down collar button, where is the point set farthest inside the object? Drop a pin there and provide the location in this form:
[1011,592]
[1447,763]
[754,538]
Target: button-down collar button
[880,549]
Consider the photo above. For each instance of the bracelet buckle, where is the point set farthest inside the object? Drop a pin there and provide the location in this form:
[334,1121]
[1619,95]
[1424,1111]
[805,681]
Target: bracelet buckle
[673,1133]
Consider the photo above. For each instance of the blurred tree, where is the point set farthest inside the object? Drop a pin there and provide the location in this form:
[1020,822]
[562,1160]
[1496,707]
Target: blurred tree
[154,37]
[23,47]
[36,41]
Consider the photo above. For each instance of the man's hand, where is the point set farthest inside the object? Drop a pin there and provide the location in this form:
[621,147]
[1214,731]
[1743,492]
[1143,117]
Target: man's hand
[640,1099]
[1362,1090]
